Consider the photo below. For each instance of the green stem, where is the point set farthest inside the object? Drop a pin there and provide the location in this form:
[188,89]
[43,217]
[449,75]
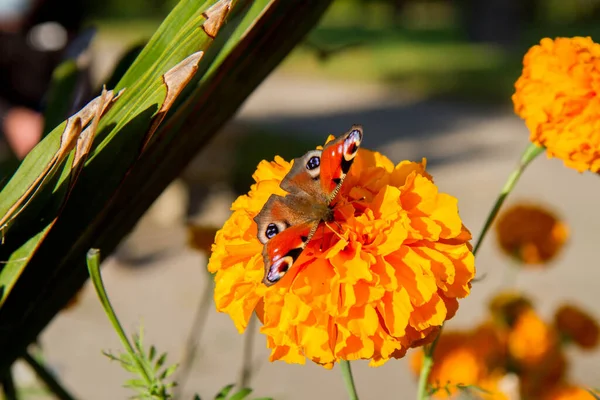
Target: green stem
[93,264]
[424,377]
[8,386]
[530,153]
[348,379]
[47,377]
[426,367]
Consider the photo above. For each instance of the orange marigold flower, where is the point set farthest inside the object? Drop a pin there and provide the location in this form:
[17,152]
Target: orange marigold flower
[464,358]
[456,362]
[578,326]
[531,234]
[531,341]
[388,284]
[557,96]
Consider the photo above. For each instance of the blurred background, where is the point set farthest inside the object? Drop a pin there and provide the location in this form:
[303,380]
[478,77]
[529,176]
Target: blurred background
[426,78]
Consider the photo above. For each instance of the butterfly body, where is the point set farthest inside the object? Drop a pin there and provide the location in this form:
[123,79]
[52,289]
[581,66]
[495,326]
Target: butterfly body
[287,223]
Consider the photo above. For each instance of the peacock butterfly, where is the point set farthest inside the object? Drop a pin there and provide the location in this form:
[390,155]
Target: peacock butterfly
[286,224]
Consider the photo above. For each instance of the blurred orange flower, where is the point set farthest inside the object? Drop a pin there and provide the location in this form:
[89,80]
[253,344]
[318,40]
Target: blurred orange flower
[577,326]
[531,341]
[557,97]
[506,306]
[531,234]
[465,358]
[387,285]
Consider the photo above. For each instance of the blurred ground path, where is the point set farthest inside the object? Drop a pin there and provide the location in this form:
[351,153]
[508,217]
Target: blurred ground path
[156,280]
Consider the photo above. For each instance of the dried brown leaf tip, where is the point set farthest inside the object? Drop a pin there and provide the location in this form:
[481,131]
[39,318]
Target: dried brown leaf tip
[178,77]
[215,16]
[70,138]
[174,80]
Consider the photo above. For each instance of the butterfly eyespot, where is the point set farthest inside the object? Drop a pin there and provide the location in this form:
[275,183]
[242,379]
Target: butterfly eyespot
[279,269]
[313,163]
[271,230]
[352,142]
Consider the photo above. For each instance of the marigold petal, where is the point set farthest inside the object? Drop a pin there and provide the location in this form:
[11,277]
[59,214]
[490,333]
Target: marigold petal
[432,313]
[413,274]
[395,309]
[349,265]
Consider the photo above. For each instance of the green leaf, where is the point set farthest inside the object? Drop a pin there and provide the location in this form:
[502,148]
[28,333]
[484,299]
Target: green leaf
[224,392]
[137,342]
[241,394]
[112,357]
[76,134]
[169,371]
[136,383]
[15,197]
[160,362]
[152,353]
[127,358]
[129,164]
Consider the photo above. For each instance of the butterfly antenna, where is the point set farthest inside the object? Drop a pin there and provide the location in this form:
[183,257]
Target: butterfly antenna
[334,231]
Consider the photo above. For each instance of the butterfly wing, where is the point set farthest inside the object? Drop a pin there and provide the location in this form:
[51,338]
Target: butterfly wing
[303,178]
[285,225]
[336,160]
[281,252]
[320,173]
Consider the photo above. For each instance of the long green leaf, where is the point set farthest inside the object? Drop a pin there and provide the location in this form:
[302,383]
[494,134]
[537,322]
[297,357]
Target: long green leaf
[119,181]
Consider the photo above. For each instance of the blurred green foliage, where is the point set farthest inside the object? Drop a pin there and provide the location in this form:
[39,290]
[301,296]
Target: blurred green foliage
[119,9]
[421,46]
[426,47]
